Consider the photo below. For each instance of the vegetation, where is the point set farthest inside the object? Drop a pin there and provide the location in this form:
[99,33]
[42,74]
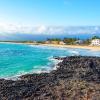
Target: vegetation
[54,39]
[69,40]
[65,40]
[95,37]
[87,41]
[41,42]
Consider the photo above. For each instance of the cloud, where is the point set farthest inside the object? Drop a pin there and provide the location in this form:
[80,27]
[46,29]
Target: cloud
[41,29]
[19,32]
[9,29]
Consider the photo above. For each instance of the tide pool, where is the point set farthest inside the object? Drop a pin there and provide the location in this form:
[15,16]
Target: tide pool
[18,59]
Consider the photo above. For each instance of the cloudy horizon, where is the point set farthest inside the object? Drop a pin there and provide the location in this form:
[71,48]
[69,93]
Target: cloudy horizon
[42,32]
[26,18]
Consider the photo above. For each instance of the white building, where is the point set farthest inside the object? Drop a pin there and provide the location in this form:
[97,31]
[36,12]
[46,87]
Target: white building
[95,42]
[79,42]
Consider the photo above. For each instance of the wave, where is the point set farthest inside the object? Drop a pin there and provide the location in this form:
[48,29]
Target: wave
[15,77]
[52,65]
[74,53]
[55,62]
[48,47]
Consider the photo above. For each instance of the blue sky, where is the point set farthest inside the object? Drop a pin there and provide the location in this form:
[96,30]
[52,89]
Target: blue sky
[50,12]
[25,19]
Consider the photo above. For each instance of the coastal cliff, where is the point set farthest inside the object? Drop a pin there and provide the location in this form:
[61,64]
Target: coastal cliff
[76,78]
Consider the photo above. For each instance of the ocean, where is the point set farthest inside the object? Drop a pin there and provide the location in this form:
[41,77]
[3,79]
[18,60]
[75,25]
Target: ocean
[20,59]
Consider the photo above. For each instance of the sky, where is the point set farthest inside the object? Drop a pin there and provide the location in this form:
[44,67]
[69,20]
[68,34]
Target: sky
[50,12]
[23,15]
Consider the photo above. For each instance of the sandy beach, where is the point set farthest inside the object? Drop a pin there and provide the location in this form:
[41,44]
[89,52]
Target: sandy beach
[94,48]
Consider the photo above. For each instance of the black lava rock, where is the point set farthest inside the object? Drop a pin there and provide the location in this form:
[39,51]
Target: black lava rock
[77,78]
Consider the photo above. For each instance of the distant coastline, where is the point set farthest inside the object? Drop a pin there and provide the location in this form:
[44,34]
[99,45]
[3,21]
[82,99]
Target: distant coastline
[93,48]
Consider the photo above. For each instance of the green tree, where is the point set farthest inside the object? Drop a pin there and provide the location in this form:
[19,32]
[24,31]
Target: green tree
[54,39]
[69,40]
[95,37]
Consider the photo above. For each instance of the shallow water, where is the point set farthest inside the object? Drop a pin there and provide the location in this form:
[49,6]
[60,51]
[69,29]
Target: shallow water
[18,59]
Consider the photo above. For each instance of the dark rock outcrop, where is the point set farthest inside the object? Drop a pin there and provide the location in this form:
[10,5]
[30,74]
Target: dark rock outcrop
[77,78]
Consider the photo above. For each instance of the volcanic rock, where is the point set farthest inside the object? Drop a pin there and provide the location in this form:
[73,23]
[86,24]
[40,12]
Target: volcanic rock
[76,78]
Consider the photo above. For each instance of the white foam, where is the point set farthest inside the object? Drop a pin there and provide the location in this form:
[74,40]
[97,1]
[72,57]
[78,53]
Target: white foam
[43,69]
[15,77]
[49,47]
[74,53]
[55,62]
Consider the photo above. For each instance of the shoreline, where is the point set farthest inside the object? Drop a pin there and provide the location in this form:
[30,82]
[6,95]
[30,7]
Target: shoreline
[93,48]
[67,79]
[54,66]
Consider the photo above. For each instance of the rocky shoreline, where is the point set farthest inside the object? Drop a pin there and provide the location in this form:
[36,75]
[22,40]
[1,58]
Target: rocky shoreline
[76,78]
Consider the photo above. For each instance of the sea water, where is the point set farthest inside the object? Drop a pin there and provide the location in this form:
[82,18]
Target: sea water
[19,59]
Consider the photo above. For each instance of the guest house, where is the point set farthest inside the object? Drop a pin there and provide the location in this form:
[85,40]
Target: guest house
[95,42]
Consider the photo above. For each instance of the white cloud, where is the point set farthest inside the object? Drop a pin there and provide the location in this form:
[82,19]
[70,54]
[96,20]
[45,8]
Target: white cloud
[41,29]
[6,29]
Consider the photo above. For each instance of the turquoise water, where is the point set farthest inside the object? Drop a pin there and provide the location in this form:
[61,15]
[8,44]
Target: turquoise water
[18,59]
